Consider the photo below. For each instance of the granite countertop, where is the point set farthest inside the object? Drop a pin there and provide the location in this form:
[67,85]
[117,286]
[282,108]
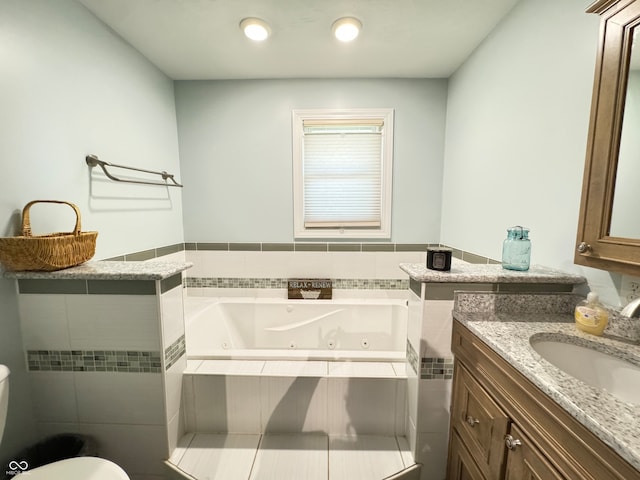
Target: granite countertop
[109,270]
[615,422]
[463,272]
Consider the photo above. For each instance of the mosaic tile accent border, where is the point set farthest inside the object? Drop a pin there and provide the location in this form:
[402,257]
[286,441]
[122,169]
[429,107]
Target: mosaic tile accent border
[412,357]
[174,351]
[338,283]
[93,361]
[436,368]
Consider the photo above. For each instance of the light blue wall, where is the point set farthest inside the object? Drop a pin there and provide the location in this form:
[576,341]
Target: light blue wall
[68,87]
[235,153]
[517,122]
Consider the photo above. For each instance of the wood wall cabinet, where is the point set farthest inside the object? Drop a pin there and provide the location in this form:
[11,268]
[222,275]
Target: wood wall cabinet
[503,427]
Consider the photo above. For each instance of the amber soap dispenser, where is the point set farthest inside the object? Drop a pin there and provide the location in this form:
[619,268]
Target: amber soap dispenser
[591,316]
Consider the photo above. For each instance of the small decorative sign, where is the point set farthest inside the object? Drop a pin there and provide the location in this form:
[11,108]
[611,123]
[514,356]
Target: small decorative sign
[309,289]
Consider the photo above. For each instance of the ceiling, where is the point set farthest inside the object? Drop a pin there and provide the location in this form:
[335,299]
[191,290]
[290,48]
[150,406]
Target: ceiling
[201,39]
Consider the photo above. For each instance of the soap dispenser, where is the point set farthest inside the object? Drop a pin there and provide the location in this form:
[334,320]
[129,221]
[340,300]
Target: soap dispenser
[591,316]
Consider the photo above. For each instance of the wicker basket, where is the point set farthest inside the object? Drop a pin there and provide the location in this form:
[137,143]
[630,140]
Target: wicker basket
[47,252]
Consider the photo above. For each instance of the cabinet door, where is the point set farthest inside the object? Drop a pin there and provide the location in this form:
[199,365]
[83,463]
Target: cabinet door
[525,462]
[480,422]
[461,465]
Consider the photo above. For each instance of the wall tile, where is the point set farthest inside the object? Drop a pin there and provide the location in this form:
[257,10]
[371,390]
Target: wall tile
[138,449]
[173,387]
[172,314]
[189,403]
[362,406]
[436,328]
[227,404]
[113,322]
[432,450]
[43,320]
[52,286]
[54,396]
[175,430]
[293,404]
[120,398]
[435,400]
[121,287]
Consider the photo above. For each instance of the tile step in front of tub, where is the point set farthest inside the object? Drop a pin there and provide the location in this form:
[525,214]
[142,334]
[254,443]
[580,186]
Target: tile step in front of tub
[307,456]
[297,368]
[274,397]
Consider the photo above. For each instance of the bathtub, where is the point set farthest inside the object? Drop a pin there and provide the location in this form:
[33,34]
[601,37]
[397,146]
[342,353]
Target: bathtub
[280,329]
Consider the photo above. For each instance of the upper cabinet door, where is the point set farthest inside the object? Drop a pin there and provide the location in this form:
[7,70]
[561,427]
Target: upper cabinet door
[609,226]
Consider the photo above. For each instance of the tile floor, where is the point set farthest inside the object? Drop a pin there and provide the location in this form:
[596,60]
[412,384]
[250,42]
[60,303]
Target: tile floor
[290,456]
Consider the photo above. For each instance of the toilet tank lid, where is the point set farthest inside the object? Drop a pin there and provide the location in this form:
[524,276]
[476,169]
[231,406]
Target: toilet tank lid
[4,372]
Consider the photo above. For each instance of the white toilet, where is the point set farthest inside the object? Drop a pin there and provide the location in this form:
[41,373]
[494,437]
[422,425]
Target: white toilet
[80,468]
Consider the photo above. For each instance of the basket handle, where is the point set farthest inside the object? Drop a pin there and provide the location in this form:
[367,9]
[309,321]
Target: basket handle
[26,220]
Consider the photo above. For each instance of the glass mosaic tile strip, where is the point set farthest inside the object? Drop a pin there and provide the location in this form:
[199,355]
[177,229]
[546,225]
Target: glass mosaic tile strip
[436,368]
[174,351]
[94,361]
[340,283]
[412,357]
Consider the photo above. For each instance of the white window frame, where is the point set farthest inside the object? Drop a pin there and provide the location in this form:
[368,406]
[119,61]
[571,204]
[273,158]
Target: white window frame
[383,114]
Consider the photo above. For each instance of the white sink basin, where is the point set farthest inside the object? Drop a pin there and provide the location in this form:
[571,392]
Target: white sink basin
[600,370]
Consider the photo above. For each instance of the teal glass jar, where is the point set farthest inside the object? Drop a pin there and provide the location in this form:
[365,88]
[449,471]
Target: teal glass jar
[516,249]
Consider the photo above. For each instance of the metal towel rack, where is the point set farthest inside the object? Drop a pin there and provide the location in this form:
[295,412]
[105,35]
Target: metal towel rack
[94,161]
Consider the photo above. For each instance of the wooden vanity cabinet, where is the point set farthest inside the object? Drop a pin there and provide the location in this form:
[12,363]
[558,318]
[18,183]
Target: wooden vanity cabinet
[503,427]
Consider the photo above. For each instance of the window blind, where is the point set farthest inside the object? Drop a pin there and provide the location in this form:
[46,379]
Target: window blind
[342,173]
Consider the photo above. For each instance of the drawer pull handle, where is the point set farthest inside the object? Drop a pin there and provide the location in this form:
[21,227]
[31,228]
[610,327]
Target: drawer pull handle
[471,421]
[511,442]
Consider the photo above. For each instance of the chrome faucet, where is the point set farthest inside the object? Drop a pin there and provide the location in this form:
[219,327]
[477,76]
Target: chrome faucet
[632,309]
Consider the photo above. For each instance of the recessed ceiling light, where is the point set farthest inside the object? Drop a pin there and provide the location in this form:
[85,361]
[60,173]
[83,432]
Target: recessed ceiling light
[346,29]
[255,29]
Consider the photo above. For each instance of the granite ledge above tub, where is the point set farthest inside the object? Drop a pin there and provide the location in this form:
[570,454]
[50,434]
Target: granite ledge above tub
[462,272]
[109,270]
[615,422]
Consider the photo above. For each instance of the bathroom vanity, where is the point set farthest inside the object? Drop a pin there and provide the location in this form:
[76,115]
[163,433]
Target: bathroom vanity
[429,355]
[516,416]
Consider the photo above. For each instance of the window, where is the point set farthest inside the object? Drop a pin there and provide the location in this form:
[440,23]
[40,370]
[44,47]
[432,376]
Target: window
[342,167]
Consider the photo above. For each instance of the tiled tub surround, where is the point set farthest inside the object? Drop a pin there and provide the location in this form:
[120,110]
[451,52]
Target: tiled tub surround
[429,327]
[506,322]
[104,345]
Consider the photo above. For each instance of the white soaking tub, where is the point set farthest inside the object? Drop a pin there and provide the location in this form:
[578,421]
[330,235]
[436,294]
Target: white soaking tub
[281,329]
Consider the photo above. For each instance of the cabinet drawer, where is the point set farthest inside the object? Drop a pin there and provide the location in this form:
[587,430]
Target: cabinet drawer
[480,422]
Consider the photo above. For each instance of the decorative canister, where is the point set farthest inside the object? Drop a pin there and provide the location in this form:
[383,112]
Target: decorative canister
[439,259]
[516,249]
